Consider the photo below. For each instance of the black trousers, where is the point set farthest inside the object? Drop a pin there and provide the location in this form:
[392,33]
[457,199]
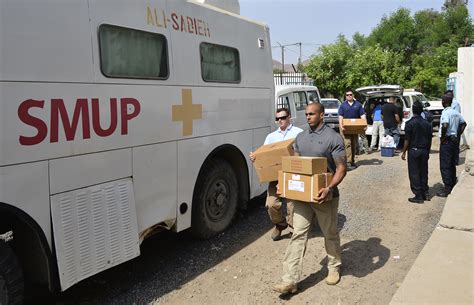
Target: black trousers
[447,163]
[418,170]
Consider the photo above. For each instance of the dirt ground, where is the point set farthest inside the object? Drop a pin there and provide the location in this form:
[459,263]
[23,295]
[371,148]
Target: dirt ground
[381,236]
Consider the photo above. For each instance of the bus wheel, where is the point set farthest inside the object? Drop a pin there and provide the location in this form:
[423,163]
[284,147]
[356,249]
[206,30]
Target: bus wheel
[11,277]
[215,199]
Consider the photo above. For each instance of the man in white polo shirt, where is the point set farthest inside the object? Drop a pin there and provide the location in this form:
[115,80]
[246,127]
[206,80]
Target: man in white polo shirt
[285,131]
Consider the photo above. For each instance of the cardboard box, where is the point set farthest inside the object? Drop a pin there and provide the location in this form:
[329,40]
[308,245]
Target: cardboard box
[302,187]
[305,165]
[354,126]
[268,159]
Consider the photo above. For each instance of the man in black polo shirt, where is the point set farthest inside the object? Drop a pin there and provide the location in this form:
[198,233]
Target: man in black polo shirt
[418,133]
[391,119]
[318,141]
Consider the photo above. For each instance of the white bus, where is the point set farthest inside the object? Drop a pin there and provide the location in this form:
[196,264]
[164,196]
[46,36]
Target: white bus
[119,119]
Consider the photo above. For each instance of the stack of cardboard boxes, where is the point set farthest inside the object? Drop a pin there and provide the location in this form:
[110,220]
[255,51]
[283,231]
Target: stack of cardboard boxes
[301,178]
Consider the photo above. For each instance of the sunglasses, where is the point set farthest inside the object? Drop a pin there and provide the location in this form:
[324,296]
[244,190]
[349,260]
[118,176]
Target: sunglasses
[281,118]
[349,94]
[309,114]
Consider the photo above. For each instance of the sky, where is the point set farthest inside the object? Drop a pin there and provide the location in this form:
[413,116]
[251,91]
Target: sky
[318,22]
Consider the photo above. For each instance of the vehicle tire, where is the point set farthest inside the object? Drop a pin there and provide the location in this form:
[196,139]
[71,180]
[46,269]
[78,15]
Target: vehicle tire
[215,199]
[11,277]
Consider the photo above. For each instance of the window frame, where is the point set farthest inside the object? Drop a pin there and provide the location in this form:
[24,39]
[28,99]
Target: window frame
[165,47]
[219,81]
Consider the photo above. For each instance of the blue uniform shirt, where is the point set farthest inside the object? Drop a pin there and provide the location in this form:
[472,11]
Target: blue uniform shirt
[279,135]
[453,119]
[351,112]
[378,113]
[455,105]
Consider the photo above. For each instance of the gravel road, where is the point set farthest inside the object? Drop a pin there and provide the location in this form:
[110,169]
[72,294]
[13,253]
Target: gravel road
[381,235]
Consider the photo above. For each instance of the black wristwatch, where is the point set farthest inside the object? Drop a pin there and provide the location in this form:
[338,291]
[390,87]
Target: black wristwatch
[331,189]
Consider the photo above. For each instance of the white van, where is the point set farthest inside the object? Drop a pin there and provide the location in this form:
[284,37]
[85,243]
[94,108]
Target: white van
[119,119]
[295,98]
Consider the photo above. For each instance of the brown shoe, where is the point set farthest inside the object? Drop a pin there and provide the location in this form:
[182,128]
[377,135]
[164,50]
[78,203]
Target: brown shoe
[276,233]
[333,276]
[285,288]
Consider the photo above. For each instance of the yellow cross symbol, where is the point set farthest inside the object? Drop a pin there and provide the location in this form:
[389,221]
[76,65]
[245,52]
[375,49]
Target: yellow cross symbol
[187,112]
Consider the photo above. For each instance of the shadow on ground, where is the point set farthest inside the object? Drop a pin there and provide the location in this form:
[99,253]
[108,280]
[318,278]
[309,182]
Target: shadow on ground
[359,258]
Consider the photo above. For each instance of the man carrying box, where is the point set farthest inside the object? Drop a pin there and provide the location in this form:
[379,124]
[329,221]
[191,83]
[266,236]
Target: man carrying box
[318,141]
[273,203]
[350,109]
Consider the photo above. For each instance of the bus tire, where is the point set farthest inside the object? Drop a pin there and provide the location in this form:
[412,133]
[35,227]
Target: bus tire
[215,199]
[11,277]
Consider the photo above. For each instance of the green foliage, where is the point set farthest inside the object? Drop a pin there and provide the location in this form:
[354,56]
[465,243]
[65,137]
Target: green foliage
[416,51]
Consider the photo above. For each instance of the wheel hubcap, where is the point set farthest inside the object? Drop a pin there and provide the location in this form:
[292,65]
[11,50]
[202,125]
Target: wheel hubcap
[216,200]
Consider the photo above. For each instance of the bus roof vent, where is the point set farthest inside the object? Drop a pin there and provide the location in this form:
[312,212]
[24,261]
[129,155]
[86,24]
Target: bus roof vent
[232,6]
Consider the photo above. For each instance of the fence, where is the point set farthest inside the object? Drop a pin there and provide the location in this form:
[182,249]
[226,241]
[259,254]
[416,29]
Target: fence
[292,79]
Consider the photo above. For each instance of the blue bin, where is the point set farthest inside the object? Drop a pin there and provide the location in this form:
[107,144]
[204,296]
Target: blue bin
[387,151]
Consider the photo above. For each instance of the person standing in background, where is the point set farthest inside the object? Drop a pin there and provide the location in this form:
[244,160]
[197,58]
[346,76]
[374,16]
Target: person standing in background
[452,126]
[418,134]
[377,126]
[391,119]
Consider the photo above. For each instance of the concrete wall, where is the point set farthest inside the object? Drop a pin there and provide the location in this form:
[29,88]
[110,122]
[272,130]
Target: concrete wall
[464,89]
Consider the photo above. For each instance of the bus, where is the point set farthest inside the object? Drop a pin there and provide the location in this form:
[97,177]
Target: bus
[119,119]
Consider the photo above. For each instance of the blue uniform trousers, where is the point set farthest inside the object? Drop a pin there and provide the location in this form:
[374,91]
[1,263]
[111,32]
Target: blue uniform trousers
[418,170]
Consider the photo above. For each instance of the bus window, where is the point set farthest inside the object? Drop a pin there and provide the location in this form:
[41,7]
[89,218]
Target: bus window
[130,53]
[283,102]
[219,64]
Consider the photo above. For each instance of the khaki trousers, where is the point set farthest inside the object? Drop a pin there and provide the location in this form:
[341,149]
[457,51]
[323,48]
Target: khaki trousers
[350,143]
[304,214]
[274,206]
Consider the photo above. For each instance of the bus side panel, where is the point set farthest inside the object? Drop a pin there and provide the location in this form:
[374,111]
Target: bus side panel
[191,156]
[26,187]
[80,171]
[155,184]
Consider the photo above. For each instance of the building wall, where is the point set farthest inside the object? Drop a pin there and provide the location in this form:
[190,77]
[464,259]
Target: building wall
[464,92]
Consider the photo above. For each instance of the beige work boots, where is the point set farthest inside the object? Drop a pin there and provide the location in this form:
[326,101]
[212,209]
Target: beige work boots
[333,276]
[285,288]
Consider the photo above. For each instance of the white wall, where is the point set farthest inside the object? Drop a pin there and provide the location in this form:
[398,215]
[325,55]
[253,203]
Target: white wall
[464,88]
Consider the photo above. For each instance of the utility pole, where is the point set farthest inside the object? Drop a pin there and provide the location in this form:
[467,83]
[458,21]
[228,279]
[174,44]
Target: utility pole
[282,57]
[299,58]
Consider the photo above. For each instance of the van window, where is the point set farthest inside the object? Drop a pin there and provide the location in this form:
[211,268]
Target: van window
[313,96]
[283,101]
[300,100]
[130,53]
[219,63]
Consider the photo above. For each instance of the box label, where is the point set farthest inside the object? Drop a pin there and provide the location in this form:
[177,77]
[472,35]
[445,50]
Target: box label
[297,186]
[296,177]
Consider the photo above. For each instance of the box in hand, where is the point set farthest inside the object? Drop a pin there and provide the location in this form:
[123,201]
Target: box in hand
[302,187]
[305,165]
[354,126]
[268,159]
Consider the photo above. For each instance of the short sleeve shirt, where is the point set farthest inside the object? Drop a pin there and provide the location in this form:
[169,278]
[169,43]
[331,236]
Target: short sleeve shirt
[453,119]
[279,135]
[323,142]
[354,111]
[418,132]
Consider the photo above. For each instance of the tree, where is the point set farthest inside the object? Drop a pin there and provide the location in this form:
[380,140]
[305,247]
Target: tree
[328,68]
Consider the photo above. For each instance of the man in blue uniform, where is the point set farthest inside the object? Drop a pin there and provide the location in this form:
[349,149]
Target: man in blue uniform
[350,109]
[418,133]
[452,126]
